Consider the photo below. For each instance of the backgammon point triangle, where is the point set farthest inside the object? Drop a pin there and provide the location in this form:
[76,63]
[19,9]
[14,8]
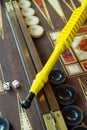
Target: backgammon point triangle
[24,121]
[2,34]
[83,87]
[58,9]
[41,5]
[1,25]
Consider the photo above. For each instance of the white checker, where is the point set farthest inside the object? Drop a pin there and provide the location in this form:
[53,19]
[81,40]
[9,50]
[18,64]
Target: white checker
[15,84]
[24,4]
[36,31]
[32,20]
[28,12]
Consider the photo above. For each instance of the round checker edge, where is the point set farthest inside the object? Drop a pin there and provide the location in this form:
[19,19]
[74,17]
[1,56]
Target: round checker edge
[36,31]
[24,4]
[66,95]
[73,115]
[57,77]
[79,127]
[32,20]
[4,124]
[28,12]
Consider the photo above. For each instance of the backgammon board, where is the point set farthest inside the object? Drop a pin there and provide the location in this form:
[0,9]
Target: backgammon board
[22,56]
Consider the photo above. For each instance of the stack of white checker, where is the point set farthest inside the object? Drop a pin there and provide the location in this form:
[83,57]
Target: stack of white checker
[36,31]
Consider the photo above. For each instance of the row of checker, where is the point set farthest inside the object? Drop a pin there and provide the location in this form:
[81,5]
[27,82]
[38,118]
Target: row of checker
[66,97]
[35,30]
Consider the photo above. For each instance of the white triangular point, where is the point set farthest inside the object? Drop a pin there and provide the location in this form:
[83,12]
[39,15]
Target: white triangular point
[57,7]
[70,4]
[84,88]
[24,121]
[1,25]
[40,4]
[1,80]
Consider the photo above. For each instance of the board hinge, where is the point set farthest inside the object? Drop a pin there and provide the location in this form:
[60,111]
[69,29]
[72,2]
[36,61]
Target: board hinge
[54,121]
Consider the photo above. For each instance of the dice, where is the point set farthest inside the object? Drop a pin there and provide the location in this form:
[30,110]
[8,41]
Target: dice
[6,86]
[15,84]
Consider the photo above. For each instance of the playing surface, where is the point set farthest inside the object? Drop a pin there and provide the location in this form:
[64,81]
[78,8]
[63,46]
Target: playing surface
[53,15]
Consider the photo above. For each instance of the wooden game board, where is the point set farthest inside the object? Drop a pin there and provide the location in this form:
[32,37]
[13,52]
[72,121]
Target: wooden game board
[21,57]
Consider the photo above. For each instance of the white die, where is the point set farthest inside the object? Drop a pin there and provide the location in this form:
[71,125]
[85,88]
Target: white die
[6,86]
[15,84]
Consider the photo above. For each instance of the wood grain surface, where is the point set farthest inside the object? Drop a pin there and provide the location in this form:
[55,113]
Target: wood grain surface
[36,52]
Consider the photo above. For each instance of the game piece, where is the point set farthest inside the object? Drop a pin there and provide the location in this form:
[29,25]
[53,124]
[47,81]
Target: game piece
[6,86]
[31,20]
[65,94]
[15,84]
[4,124]
[36,31]
[28,12]
[79,127]
[73,115]
[57,76]
[24,4]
